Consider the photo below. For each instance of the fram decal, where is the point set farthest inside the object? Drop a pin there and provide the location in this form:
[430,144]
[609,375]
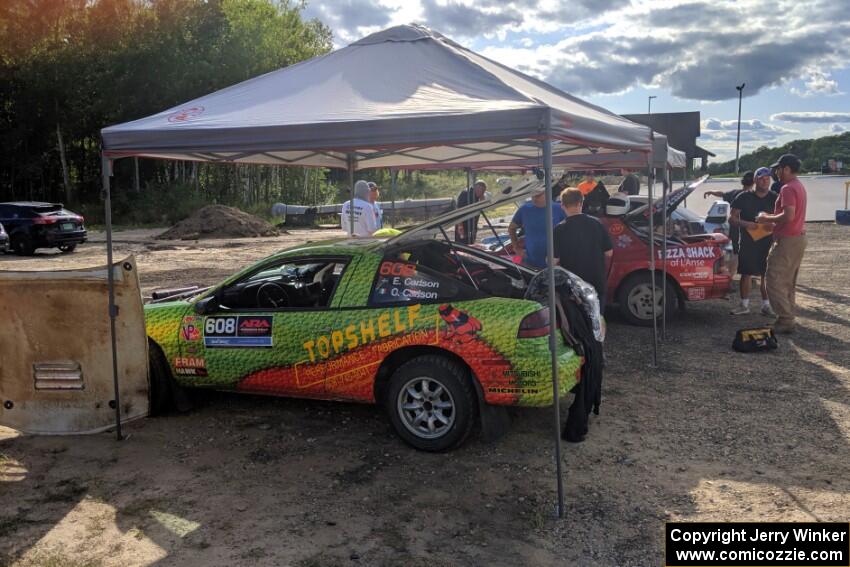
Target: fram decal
[190,366]
[461,327]
[190,328]
[616,229]
[238,331]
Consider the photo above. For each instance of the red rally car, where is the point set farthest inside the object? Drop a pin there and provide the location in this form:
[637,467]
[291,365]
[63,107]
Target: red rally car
[697,265]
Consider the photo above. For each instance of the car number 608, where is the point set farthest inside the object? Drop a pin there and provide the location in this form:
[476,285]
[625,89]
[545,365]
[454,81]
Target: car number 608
[220,326]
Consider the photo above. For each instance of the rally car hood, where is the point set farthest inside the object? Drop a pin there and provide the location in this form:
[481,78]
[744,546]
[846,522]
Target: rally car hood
[674,199]
[517,192]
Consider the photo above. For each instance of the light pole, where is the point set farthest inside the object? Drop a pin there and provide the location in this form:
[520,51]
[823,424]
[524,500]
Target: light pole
[738,139]
[649,104]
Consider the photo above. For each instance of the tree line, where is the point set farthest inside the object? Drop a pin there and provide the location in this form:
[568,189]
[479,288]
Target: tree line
[812,152]
[71,67]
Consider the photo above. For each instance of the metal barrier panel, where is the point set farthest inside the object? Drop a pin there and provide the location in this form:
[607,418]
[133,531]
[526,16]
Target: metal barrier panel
[55,359]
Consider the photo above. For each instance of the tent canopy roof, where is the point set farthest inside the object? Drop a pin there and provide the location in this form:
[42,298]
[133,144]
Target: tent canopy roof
[663,156]
[403,97]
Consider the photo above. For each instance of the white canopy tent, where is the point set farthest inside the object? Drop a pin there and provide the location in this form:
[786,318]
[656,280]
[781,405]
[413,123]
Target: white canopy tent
[405,97]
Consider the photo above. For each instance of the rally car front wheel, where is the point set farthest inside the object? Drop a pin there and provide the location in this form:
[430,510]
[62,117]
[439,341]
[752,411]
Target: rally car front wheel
[431,403]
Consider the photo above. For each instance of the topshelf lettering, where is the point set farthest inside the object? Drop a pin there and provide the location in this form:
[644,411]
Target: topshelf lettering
[362,332]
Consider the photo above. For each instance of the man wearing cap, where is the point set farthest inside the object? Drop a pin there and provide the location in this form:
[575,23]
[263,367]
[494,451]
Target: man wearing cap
[789,242]
[362,210]
[531,216]
[374,194]
[755,239]
[467,231]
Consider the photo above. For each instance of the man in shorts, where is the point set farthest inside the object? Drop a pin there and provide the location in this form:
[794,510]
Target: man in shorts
[755,239]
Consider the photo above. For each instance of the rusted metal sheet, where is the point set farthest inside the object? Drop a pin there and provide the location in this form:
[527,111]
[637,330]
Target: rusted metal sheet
[55,358]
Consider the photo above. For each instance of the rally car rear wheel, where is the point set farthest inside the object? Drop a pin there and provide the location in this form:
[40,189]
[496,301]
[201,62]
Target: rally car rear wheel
[635,299]
[431,403]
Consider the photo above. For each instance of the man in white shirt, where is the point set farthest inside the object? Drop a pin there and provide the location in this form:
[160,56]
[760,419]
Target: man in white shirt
[365,222]
[374,194]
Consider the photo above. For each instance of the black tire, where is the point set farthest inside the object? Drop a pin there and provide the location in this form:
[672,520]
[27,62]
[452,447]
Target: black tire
[160,382]
[22,245]
[450,412]
[68,248]
[634,299]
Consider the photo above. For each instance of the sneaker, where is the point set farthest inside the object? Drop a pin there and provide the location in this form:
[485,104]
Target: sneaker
[740,311]
[767,311]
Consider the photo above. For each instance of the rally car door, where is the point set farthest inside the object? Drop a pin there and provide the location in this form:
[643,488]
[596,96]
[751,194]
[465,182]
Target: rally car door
[264,334]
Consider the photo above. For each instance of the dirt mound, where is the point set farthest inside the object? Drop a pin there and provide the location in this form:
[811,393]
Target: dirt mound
[218,221]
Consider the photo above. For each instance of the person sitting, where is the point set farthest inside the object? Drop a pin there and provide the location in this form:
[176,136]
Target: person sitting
[361,210]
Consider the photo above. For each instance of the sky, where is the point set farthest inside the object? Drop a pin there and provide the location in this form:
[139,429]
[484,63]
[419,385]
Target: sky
[792,55]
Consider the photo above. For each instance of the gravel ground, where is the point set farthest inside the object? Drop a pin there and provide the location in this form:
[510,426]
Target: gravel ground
[708,435]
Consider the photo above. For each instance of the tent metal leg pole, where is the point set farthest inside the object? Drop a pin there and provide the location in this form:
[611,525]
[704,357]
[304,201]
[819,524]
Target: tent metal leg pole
[351,188]
[393,187]
[667,179]
[106,165]
[553,327]
[651,209]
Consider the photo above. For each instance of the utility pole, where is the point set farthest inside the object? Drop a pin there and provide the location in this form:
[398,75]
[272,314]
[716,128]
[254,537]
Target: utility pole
[738,139]
[649,104]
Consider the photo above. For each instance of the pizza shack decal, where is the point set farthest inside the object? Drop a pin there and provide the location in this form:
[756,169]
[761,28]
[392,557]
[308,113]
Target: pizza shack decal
[689,253]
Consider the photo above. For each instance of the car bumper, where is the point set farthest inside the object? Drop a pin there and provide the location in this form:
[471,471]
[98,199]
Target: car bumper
[527,381]
[4,243]
[56,238]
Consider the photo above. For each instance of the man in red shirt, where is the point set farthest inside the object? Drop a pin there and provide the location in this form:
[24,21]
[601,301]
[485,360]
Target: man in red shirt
[789,242]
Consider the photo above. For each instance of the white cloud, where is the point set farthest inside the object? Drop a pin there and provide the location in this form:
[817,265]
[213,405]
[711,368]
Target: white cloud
[818,82]
[721,135]
[812,117]
[698,50]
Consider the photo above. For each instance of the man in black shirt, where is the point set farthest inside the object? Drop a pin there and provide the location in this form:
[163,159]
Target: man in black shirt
[747,181]
[630,185]
[466,231]
[582,244]
[756,239]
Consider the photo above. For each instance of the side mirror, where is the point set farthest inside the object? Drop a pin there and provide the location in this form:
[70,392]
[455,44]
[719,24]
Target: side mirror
[207,305]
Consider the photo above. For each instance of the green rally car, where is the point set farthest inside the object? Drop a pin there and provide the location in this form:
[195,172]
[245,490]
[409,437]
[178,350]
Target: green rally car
[436,332]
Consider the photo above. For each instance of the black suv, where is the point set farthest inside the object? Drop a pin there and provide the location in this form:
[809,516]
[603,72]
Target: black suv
[34,225]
